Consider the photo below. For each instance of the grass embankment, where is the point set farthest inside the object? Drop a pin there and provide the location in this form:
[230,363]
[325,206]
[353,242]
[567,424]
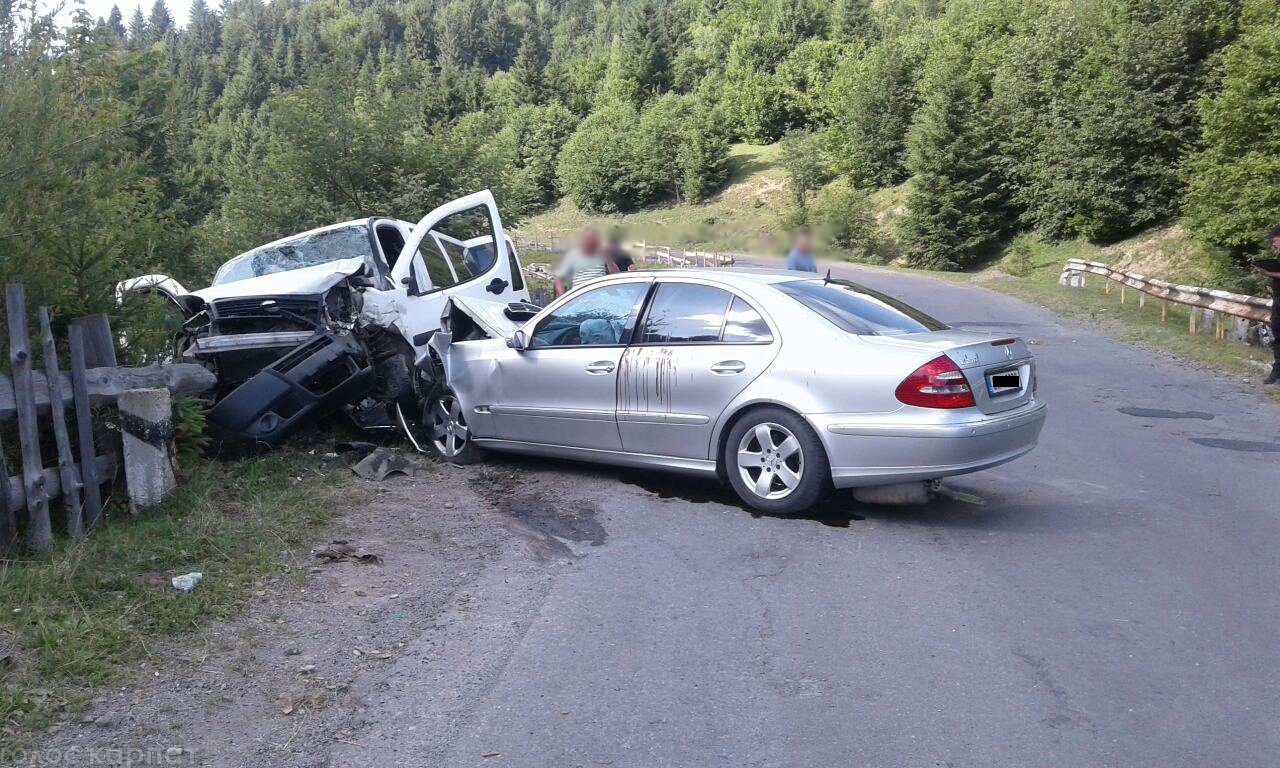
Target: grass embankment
[742,217]
[87,612]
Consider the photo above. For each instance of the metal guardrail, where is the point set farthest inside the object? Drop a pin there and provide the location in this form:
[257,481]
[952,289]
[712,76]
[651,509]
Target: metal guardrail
[1239,305]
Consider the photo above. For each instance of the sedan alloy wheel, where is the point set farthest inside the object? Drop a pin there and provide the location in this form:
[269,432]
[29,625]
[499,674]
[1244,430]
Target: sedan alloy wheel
[770,461]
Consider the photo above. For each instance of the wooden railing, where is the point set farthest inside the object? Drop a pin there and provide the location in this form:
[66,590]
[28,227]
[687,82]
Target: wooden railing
[28,393]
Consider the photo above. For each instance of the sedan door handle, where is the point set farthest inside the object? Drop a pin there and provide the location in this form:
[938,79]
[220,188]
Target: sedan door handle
[601,366]
[729,366]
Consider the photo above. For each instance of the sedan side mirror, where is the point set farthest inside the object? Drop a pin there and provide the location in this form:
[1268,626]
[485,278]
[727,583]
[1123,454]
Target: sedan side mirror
[518,341]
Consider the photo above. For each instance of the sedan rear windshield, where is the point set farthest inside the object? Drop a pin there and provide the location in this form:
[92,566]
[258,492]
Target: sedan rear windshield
[857,309]
[305,251]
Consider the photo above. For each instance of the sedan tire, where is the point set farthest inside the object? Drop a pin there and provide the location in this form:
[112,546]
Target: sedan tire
[775,461]
[449,437]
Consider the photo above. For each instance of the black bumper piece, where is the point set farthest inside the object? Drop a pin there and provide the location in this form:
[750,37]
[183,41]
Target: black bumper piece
[316,378]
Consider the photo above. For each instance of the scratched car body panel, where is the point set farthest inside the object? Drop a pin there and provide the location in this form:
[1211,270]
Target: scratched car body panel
[670,369]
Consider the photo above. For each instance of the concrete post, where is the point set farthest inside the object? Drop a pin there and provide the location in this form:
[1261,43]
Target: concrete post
[1208,321]
[146,424]
[1240,329]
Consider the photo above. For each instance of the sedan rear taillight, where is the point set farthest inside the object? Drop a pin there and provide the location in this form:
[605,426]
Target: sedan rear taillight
[936,384]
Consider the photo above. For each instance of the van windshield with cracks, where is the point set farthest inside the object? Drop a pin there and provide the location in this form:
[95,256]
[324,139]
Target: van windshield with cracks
[305,251]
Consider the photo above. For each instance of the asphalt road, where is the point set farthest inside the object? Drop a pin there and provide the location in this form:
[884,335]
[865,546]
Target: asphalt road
[1108,600]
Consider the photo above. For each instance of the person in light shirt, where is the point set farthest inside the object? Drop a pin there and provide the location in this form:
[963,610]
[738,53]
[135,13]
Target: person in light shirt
[581,264]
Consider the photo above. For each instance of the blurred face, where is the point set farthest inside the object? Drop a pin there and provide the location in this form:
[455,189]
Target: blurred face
[804,243]
[590,242]
[1275,243]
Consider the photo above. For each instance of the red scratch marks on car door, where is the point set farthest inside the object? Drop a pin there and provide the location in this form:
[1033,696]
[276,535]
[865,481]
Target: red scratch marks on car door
[665,377]
[646,379]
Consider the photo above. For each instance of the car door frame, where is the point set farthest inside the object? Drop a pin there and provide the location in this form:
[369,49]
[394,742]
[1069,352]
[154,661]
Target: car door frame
[504,416]
[408,272]
[649,419]
[393,308]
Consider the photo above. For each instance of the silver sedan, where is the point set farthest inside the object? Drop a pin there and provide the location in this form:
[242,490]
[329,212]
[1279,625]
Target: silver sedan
[780,384]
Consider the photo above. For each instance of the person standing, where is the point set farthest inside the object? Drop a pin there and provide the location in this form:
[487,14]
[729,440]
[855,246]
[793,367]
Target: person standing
[581,264]
[801,257]
[616,256]
[1270,267]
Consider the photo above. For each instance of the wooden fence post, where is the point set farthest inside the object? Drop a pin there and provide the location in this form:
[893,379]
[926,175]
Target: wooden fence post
[146,423]
[39,532]
[84,428]
[58,415]
[99,344]
[8,527]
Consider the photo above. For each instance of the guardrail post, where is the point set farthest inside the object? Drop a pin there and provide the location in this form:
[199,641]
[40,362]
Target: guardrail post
[146,424]
[1122,293]
[1208,322]
[1164,311]
[1191,320]
[1240,329]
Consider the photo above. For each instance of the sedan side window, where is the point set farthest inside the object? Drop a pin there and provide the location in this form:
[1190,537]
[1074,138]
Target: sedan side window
[599,317]
[685,313]
[744,325]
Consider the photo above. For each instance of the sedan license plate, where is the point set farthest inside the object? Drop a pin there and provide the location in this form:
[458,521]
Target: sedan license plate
[1003,382]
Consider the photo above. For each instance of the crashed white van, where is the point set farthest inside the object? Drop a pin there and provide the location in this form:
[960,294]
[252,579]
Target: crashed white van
[337,317]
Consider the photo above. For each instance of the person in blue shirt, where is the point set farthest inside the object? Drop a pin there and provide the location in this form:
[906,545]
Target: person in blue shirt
[801,257]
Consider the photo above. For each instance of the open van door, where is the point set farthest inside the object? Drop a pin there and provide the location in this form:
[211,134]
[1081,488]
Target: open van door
[452,251]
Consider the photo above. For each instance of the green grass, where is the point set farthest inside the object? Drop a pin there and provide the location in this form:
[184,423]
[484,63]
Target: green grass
[742,217]
[84,613]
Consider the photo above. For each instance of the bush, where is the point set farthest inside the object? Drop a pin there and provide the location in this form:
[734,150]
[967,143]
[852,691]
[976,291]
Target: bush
[843,218]
[619,159]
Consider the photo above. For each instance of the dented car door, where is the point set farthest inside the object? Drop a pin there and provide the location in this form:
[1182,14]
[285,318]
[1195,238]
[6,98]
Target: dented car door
[449,252]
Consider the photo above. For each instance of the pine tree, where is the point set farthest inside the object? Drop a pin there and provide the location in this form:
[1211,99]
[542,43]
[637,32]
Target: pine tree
[531,60]
[160,23]
[139,34]
[955,210]
[851,20]
[115,25]
[873,101]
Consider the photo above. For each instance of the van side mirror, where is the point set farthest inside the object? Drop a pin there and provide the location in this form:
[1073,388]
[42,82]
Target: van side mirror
[518,341]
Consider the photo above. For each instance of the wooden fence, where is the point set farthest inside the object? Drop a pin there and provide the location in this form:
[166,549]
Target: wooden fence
[28,393]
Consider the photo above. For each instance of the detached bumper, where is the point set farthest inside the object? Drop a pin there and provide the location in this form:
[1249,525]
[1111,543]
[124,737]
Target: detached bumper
[319,376]
[867,452]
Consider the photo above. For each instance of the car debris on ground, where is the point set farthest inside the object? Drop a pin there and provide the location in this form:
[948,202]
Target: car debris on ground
[341,550]
[380,464]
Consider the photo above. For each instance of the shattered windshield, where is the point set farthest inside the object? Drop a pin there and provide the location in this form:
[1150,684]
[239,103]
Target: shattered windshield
[304,251]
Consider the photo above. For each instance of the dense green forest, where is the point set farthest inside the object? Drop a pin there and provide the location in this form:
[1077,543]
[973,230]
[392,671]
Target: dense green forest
[138,145]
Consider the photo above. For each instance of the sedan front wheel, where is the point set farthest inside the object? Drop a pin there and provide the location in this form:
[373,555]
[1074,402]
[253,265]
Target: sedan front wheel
[775,461]
[449,434]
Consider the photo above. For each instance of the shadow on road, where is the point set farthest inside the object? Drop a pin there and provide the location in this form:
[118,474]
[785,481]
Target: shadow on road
[966,507]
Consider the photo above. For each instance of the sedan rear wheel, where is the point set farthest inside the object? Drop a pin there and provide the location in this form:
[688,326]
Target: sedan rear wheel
[450,436]
[775,461]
